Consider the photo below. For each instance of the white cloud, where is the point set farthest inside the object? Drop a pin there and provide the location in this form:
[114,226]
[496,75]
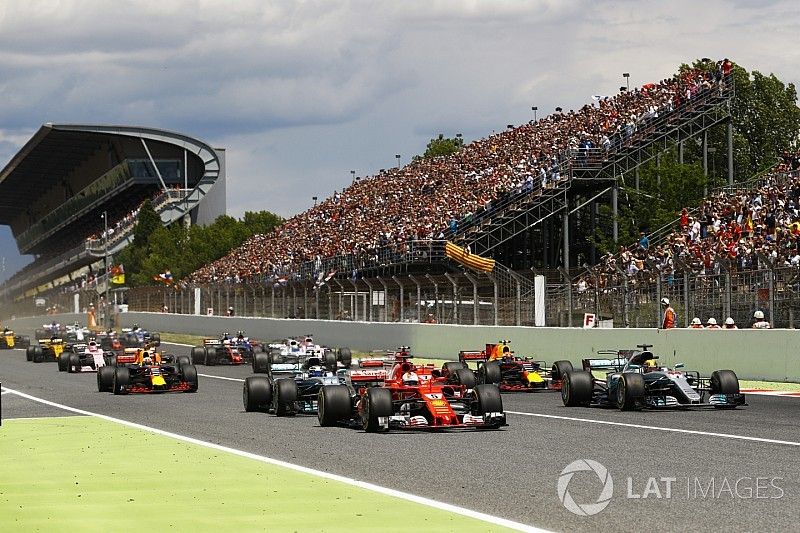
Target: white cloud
[302,92]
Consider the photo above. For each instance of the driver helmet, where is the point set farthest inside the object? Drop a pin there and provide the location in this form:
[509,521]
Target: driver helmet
[92,344]
[696,321]
[316,371]
[146,359]
[410,377]
[240,334]
[759,315]
[76,325]
[135,327]
[729,321]
[712,321]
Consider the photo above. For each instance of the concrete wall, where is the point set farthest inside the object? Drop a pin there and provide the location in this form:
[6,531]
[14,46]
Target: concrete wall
[753,354]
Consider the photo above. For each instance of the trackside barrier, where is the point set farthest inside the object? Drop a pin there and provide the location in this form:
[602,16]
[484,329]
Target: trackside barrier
[770,355]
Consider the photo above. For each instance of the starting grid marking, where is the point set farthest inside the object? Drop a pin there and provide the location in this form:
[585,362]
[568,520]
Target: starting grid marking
[469,513]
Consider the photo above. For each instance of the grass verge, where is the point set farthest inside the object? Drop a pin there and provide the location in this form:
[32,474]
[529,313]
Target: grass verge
[88,474]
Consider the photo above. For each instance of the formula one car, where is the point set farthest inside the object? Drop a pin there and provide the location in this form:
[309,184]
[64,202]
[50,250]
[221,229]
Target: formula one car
[90,359]
[150,372]
[221,352]
[47,331]
[634,381]
[498,364]
[136,337]
[292,351]
[109,342]
[410,397]
[47,350]
[8,340]
[289,388]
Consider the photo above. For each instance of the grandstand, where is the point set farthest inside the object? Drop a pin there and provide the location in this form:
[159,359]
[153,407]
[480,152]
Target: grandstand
[56,191]
[526,198]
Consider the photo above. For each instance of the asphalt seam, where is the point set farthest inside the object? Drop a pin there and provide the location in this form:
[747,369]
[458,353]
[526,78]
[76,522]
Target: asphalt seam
[469,513]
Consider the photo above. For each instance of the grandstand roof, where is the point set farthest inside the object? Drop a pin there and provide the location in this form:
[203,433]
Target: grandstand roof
[54,151]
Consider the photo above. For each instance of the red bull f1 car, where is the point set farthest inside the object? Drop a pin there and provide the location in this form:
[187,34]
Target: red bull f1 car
[634,380]
[499,365]
[149,372]
[409,396]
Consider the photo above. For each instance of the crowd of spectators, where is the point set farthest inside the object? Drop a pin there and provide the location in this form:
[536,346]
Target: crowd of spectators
[433,197]
[735,228]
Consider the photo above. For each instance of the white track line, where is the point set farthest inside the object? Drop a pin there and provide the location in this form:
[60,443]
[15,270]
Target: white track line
[38,417]
[656,428]
[221,377]
[318,473]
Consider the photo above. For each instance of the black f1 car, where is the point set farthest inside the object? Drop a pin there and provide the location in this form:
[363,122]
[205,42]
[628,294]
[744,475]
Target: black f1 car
[634,380]
[289,388]
[499,365]
[148,373]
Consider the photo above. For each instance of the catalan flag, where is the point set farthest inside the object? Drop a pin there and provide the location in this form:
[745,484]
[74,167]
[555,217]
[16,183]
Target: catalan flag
[473,261]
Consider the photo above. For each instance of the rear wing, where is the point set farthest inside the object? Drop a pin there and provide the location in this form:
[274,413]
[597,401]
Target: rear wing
[212,342]
[364,376]
[128,356]
[472,355]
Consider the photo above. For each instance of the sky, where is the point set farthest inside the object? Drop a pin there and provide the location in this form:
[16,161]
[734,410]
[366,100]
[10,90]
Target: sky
[301,93]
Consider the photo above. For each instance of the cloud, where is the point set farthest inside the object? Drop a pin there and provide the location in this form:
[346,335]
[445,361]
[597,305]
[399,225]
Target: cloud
[300,93]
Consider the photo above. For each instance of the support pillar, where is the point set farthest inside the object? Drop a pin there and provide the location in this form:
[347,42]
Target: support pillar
[419,297]
[385,300]
[455,296]
[435,297]
[615,213]
[705,162]
[369,300]
[475,303]
[402,296]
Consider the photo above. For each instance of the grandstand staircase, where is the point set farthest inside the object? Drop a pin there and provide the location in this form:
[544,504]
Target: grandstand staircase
[591,173]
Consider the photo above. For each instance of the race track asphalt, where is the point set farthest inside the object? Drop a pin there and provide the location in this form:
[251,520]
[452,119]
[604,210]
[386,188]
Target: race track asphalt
[720,481]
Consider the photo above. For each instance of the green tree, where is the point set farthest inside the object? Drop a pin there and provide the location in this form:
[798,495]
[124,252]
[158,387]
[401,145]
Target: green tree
[442,146]
[147,222]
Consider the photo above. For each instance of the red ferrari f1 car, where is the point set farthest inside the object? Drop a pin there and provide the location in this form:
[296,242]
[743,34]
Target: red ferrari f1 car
[409,396]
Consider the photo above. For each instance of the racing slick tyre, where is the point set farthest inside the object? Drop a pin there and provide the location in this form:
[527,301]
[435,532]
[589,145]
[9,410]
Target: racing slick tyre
[29,353]
[329,360]
[451,366]
[724,382]
[63,362]
[559,369]
[189,376]
[285,396]
[346,357]
[377,405]
[211,358]
[488,400]
[73,362]
[199,355]
[257,393]
[111,360]
[630,390]
[38,354]
[261,363]
[576,388]
[25,342]
[463,376]
[155,338]
[105,378]
[122,378]
[489,373]
[182,360]
[39,334]
[334,405]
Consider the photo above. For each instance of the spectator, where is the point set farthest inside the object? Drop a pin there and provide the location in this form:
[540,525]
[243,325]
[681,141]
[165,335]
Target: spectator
[696,324]
[712,324]
[729,324]
[759,322]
